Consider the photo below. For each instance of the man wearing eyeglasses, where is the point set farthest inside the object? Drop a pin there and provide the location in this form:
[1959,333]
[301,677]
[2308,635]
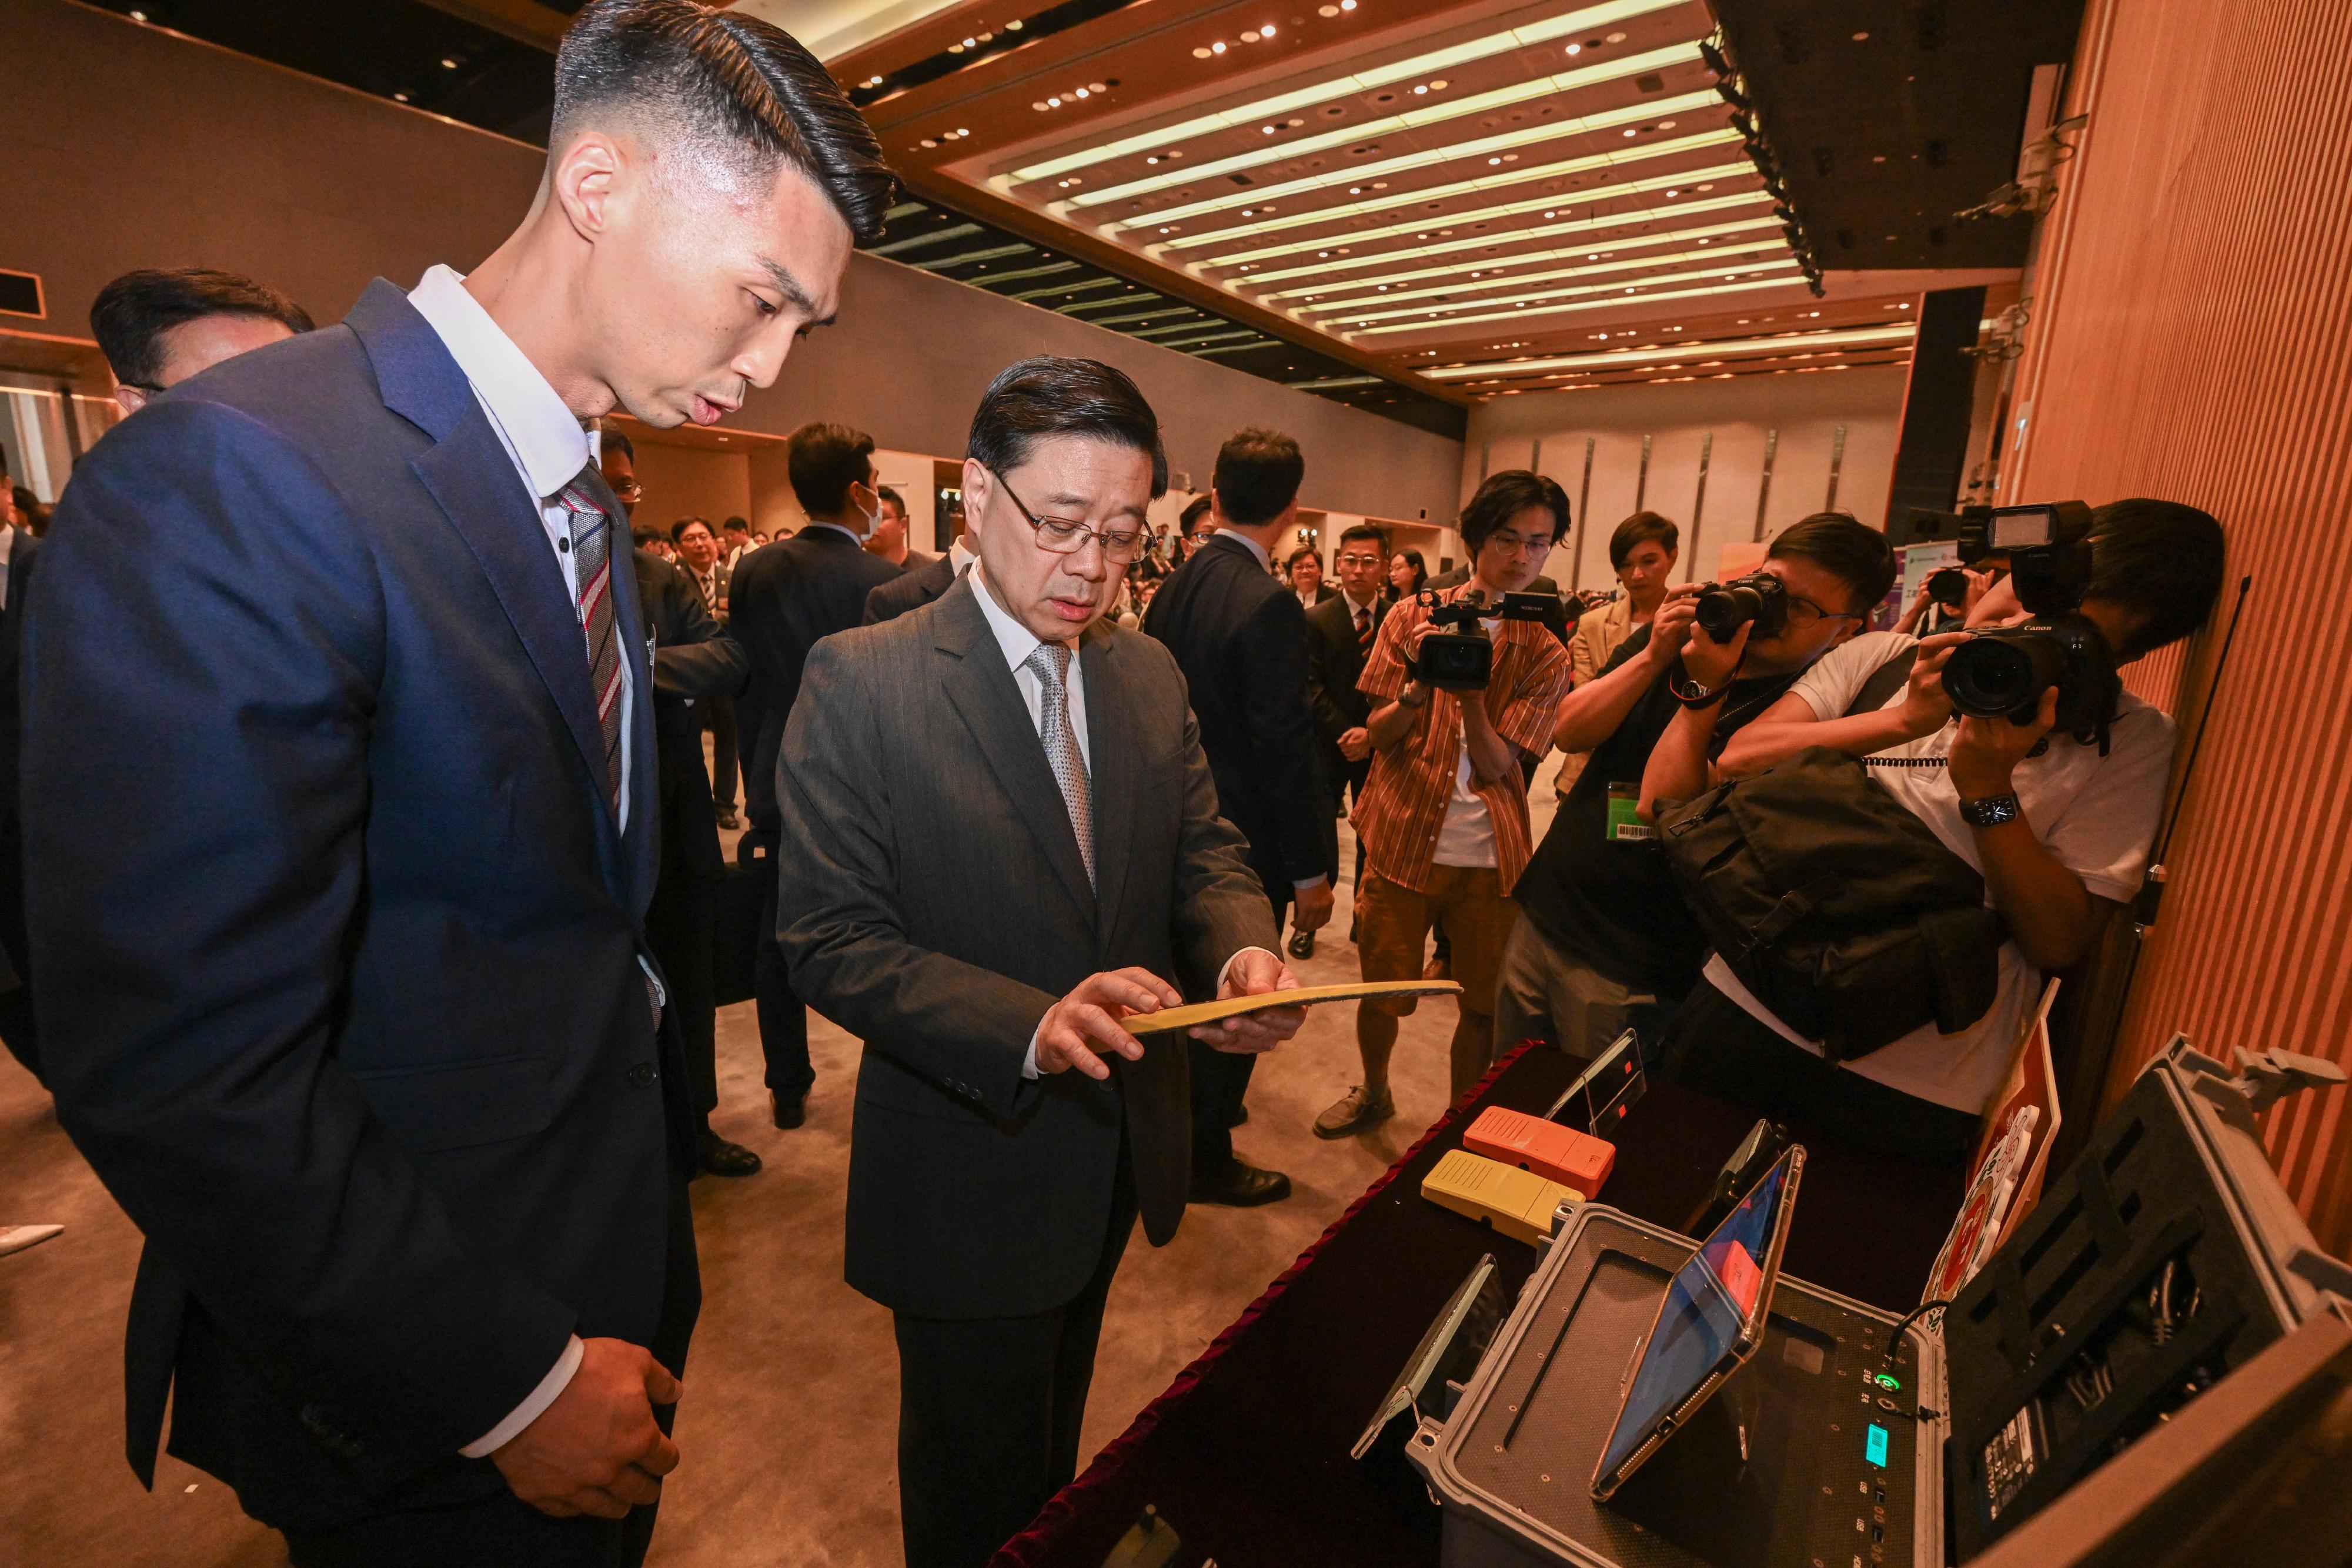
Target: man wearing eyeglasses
[1607,944]
[1341,630]
[1444,819]
[1000,839]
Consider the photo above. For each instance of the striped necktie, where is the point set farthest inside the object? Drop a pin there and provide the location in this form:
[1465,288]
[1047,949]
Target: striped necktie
[1363,632]
[1050,663]
[592,570]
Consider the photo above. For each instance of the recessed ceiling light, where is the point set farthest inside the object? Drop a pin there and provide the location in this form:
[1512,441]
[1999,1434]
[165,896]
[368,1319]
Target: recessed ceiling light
[1576,48]
[1631,129]
[448,64]
[397,98]
[955,48]
[1347,5]
[1201,54]
[1218,47]
[1249,37]
[1014,25]
[1860,37]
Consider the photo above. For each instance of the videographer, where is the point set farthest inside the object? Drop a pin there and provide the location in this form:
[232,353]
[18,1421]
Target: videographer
[1444,817]
[2058,825]
[1607,944]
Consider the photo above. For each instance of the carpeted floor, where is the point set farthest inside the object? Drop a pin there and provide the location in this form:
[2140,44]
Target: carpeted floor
[788,1424]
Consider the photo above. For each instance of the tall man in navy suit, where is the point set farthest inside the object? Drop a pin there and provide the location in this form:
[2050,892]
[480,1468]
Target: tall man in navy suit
[340,915]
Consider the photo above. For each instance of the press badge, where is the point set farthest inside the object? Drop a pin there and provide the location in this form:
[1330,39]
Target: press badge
[1625,824]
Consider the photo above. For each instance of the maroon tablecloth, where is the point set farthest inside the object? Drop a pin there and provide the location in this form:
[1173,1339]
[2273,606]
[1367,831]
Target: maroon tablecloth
[1246,1455]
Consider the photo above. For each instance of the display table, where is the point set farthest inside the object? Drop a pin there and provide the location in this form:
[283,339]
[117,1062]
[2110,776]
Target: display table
[1246,1455]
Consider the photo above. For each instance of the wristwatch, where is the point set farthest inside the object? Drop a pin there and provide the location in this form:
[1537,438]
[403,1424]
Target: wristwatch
[1992,812]
[1409,702]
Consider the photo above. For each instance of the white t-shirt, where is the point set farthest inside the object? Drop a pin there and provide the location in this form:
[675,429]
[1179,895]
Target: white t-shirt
[2094,814]
[1466,837]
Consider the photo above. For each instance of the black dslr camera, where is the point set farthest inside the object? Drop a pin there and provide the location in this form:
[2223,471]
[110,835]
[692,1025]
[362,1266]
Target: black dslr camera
[1722,607]
[2002,671]
[1459,658]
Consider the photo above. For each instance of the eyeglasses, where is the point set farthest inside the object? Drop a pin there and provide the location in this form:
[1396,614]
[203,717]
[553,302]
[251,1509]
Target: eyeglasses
[628,490]
[1059,536]
[1519,544]
[1360,561]
[1804,615]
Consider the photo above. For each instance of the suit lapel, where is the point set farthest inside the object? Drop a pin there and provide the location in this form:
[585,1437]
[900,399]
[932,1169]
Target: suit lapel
[982,689]
[1110,748]
[471,476]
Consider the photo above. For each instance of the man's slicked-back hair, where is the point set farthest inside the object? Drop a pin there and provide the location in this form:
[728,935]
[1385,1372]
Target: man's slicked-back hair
[824,462]
[1854,553]
[131,315]
[1258,476]
[1031,400]
[733,85]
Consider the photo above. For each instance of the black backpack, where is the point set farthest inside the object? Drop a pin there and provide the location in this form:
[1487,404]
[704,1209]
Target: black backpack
[1835,905]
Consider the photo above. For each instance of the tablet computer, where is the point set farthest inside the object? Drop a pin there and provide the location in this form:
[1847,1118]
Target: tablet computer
[1711,1321]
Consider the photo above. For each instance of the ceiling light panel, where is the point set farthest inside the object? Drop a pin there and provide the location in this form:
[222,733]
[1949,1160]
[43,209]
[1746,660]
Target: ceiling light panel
[1323,270]
[1669,181]
[1519,280]
[1678,353]
[1448,58]
[1435,113]
[1792,278]
[1616,291]
[1429,158]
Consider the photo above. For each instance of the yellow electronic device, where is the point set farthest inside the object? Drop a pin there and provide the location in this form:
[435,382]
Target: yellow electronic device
[1519,1204]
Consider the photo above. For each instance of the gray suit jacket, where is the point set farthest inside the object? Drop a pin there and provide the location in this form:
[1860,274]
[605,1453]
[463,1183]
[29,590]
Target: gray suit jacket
[933,902]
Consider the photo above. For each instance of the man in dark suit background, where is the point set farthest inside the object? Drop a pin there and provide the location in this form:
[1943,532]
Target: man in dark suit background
[918,585]
[1341,632]
[348,1000]
[18,549]
[785,597]
[1240,637]
[695,662]
[1001,838]
[707,573]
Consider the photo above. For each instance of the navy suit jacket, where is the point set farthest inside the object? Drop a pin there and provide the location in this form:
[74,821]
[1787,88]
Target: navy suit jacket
[338,934]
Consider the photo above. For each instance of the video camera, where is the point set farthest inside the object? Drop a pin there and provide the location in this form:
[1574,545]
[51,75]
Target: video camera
[1723,607]
[2002,671]
[1459,658]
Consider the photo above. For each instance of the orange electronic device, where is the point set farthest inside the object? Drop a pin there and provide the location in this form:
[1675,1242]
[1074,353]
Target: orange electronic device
[1577,1161]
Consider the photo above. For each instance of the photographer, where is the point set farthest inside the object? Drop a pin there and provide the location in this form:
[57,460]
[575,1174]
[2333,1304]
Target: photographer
[1607,944]
[2058,828]
[1444,817]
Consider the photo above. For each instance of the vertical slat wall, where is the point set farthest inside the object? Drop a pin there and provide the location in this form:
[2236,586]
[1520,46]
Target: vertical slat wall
[2193,341]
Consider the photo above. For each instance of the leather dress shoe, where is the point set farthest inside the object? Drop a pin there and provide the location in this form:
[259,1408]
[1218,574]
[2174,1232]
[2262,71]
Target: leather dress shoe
[1302,945]
[721,1158]
[730,821]
[788,1111]
[1239,1185]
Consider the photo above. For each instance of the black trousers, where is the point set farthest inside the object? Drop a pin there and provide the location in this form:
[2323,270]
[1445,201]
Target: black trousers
[1221,1078]
[501,1530]
[17,1030]
[784,1018]
[718,718]
[1713,1044]
[681,923]
[989,1412]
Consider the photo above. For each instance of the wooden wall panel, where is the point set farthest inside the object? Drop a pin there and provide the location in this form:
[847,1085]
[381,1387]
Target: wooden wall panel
[2193,341]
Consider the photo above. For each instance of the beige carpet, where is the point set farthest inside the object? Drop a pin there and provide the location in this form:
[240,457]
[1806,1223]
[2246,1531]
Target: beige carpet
[788,1423]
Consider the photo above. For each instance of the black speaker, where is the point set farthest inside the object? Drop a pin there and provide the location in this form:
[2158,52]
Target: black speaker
[1936,405]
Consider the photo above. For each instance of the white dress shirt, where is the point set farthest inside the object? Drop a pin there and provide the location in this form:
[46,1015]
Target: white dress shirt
[544,440]
[8,537]
[1018,642]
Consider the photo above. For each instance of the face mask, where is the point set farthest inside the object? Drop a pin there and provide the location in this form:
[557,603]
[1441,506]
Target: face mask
[873,519]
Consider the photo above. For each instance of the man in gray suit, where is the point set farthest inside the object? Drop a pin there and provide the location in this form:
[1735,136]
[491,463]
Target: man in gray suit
[1001,838]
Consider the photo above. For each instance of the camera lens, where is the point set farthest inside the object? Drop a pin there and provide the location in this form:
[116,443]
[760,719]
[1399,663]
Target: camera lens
[2004,672]
[1948,588]
[1723,609]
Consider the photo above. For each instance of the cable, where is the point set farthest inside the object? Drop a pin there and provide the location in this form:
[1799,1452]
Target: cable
[1895,1334]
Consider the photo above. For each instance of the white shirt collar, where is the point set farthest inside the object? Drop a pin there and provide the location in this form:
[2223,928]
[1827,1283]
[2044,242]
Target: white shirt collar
[1356,609]
[958,557]
[1255,548]
[1017,641]
[543,435]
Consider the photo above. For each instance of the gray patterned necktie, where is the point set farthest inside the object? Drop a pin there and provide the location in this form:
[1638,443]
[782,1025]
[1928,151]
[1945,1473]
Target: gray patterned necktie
[1050,663]
[591,557]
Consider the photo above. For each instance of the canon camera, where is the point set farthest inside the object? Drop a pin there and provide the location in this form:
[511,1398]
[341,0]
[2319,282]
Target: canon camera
[1722,608]
[1456,656]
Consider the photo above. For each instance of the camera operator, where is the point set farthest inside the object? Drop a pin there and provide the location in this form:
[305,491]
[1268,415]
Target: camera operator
[1443,816]
[1607,944]
[2059,828]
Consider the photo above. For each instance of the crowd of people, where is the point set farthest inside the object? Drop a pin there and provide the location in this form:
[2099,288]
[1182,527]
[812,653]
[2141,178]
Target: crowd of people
[392,1024]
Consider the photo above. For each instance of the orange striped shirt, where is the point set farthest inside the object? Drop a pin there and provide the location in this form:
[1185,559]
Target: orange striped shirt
[1404,806]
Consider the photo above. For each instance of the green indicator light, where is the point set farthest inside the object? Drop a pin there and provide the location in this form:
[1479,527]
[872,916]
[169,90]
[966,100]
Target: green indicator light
[1884,1381]
[1875,1447]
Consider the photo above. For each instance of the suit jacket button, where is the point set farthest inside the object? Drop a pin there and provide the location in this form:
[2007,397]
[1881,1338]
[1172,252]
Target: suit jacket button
[641,1074]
